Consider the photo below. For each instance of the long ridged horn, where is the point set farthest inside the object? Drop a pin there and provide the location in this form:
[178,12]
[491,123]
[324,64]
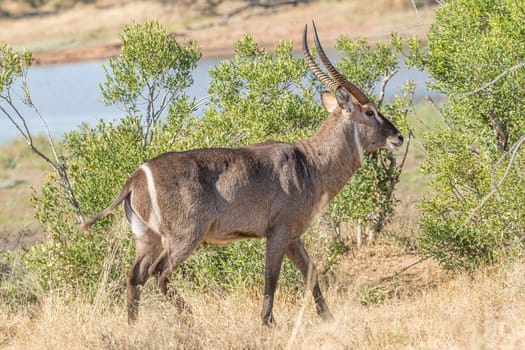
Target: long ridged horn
[338,77]
[323,77]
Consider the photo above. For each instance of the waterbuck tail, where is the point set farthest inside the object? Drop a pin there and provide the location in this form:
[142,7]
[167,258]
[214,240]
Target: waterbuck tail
[126,190]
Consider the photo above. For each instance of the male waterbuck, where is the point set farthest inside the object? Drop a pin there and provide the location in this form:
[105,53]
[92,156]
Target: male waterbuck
[270,190]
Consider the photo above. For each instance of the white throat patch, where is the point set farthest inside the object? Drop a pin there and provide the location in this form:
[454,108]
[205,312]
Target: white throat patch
[358,143]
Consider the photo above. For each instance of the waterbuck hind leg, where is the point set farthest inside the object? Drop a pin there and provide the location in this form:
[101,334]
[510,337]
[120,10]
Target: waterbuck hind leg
[147,248]
[136,277]
[275,249]
[302,261]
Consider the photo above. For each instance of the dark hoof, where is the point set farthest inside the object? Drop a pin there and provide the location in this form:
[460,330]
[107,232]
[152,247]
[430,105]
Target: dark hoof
[324,312]
[327,316]
[268,321]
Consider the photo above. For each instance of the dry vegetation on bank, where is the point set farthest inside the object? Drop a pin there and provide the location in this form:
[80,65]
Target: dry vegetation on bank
[90,31]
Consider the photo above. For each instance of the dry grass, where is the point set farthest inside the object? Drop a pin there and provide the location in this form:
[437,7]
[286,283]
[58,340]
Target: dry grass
[479,311]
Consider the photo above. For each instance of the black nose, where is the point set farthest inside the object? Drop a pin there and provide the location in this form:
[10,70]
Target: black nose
[400,138]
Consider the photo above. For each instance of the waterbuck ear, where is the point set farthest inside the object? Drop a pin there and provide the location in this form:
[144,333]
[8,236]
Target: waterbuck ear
[329,101]
[344,99]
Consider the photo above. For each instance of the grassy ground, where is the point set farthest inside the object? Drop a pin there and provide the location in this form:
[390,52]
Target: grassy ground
[435,311]
[376,304]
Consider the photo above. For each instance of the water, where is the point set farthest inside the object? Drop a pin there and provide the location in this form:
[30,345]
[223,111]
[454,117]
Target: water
[69,94]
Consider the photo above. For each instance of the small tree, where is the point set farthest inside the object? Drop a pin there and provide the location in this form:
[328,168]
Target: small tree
[14,66]
[152,72]
[476,161]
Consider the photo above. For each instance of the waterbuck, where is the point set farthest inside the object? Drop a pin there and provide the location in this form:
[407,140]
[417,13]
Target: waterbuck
[270,190]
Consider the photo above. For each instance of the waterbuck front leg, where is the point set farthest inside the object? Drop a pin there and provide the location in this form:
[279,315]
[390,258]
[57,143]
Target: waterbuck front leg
[302,261]
[275,250]
[163,280]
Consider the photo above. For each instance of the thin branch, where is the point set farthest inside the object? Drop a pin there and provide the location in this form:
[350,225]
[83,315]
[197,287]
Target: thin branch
[48,133]
[22,132]
[415,8]
[513,151]
[149,116]
[428,98]
[410,133]
[402,270]
[162,105]
[384,83]
[201,101]
[238,10]
[402,165]
[492,82]
[26,133]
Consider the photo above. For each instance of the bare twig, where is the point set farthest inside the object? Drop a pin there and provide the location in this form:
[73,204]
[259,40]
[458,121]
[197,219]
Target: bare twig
[23,132]
[298,323]
[492,82]
[384,83]
[50,139]
[402,165]
[410,133]
[162,105]
[415,8]
[428,98]
[200,102]
[299,319]
[251,4]
[397,273]
[387,278]
[149,115]
[513,151]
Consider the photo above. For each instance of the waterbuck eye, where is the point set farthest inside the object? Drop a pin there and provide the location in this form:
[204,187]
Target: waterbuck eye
[370,113]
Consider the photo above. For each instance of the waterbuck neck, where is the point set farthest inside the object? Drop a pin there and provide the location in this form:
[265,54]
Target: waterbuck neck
[335,152]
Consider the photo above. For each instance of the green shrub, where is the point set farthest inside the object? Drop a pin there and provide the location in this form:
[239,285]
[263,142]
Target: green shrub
[476,213]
